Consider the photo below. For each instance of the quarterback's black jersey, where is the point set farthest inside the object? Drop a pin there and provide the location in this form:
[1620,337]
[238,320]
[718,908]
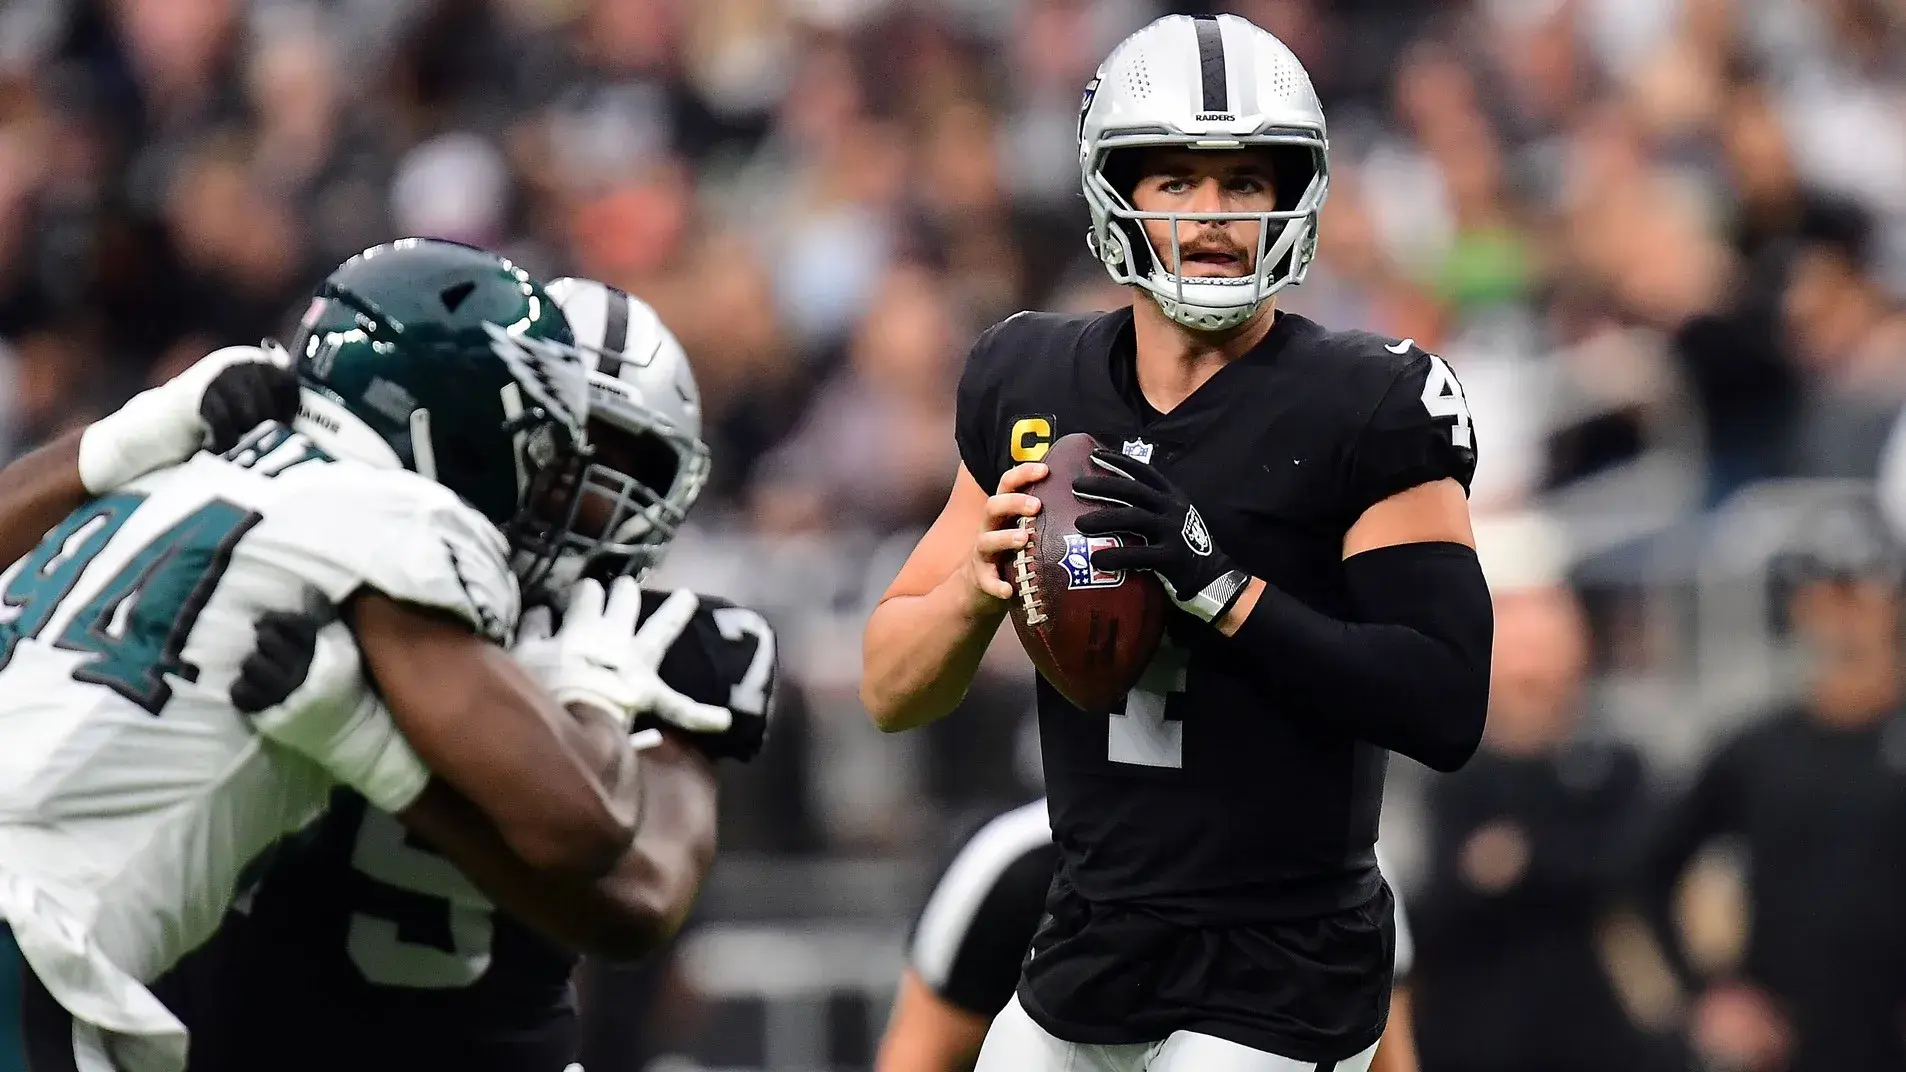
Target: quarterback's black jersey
[363,949]
[1201,805]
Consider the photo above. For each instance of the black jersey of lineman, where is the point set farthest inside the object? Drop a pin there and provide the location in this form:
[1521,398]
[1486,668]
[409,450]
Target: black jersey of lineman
[1227,811]
[485,994]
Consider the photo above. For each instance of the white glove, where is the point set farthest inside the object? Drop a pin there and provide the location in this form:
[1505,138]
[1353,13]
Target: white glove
[599,658]
[167,424]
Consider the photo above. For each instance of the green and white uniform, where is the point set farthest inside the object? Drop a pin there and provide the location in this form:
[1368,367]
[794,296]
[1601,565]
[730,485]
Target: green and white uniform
[134,797]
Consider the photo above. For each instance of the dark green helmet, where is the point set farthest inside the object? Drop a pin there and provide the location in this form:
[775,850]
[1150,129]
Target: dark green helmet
[459,363]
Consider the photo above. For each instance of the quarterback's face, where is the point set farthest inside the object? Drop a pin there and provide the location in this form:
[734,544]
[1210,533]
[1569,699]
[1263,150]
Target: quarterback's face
[1185,180]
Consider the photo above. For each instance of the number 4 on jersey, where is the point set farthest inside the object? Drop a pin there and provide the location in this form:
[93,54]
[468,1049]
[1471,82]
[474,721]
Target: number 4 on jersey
[1144,734]
[1443,397]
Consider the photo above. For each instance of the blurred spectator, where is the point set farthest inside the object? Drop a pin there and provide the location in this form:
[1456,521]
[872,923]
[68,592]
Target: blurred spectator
[1816,798]
[1851,335]
[454,186]
[878,442]
[1526,848]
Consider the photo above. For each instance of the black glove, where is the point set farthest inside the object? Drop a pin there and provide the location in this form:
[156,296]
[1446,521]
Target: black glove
[242,397]
[281,659]
[1200,578]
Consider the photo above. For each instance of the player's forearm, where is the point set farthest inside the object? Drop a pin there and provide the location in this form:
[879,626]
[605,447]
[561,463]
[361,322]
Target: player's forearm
[920,655]
[655,885]
[624,914]
[645,898]
[36,491]
[526,770]
[553,809]
[1413,679]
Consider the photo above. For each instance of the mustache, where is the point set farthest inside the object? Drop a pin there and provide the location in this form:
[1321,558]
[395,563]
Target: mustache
[1212,244]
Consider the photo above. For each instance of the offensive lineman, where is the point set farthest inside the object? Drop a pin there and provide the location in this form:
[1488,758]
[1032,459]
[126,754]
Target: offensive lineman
[431,456]
[1301,493]
[363,949]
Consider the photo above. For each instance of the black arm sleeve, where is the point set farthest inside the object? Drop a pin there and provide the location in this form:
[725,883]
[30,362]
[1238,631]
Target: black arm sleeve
[1411,676]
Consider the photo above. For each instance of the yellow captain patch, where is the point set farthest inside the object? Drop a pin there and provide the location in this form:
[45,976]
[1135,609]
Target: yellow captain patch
[1031,437]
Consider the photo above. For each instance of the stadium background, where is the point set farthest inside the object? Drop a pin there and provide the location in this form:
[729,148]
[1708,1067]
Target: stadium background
[1663,242]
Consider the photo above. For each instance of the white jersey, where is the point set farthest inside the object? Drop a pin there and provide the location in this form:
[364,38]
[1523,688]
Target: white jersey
[133,795]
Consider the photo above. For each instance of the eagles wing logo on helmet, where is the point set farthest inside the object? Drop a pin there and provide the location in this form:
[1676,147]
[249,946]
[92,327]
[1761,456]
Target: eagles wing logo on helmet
[556,377]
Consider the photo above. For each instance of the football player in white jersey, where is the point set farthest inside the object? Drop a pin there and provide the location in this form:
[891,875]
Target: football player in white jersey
[360,947]
[440,455]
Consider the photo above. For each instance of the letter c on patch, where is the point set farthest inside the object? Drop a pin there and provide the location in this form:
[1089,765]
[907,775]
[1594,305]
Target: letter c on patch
[1031,438]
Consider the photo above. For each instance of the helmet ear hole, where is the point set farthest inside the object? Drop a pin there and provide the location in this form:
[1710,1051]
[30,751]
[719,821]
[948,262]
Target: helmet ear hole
[1121,171]
[645,456]
[1142,254]
[1293,169]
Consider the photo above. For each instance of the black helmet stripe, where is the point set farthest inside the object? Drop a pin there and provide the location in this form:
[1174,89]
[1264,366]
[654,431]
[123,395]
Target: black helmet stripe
[615,327]
[1211,62]
[615,331]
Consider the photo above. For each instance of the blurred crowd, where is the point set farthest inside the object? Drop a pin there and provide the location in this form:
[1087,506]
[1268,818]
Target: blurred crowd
[1662,242]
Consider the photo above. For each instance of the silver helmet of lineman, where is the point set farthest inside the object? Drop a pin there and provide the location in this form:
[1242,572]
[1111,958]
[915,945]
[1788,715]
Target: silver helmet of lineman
[641,385]
[1203,82]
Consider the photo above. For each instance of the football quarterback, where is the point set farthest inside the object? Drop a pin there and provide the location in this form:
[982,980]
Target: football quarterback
[1301,494]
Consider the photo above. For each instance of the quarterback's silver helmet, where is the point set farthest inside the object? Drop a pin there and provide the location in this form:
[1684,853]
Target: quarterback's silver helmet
[642,394]
[1203,82]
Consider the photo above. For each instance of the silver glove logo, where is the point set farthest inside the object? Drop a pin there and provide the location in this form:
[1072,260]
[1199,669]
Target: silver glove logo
[1196,537]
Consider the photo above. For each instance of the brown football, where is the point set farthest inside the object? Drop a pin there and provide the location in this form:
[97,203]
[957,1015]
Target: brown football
[1089,632]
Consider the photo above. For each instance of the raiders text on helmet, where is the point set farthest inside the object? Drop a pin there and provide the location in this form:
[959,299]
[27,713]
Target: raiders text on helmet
[1203,82]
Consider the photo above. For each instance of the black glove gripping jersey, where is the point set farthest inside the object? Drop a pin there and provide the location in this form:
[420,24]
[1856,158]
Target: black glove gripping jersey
[364,950]
[1217,869]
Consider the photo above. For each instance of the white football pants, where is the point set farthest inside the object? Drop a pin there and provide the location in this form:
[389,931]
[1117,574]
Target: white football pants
[1017,1044]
